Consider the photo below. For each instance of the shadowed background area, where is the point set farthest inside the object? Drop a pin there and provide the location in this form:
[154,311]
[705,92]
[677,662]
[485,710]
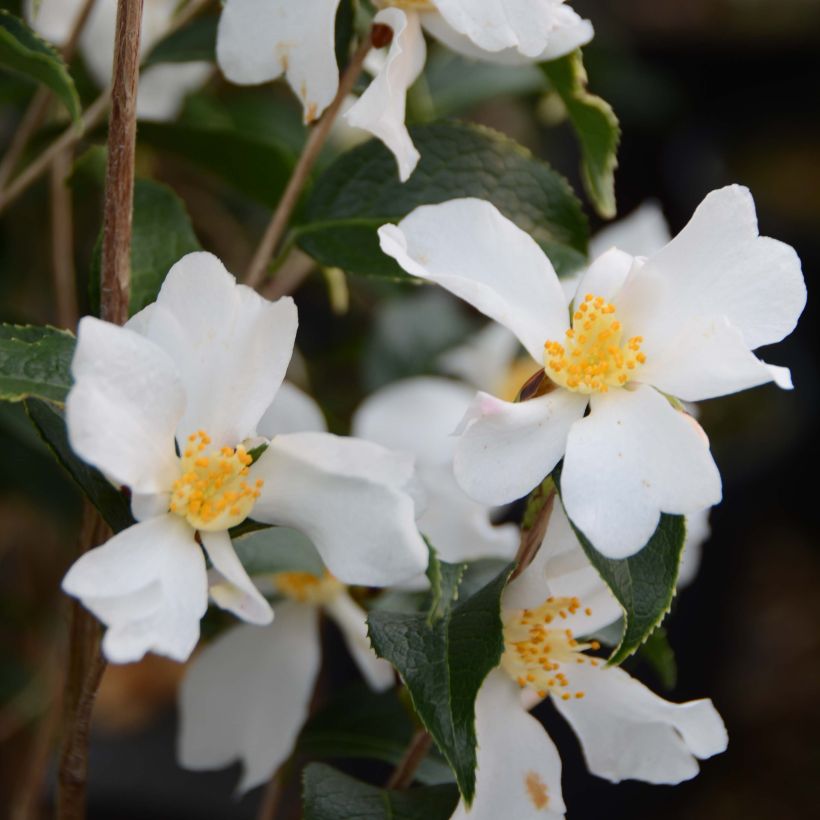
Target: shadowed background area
[708,92]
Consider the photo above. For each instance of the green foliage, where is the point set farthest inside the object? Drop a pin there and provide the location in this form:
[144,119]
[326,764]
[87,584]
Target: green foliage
[361,191]
[330,795]
[658,653]
[644,583]
[596,126]
[35,362]
[443,656]
[192,43]
[106,498]
[24,53]
[277,549]
[256,167]
[162,234]
[359,723]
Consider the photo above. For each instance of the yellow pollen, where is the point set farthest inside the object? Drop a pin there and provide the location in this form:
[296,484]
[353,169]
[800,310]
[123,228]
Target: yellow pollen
[308,588]
[210,491]
[535,654]
[596,359]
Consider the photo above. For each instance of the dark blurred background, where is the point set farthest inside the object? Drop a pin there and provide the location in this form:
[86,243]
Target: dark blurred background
[708,92]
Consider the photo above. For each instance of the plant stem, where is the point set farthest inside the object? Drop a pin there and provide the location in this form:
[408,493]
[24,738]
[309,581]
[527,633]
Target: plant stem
[62,242]
[115,284]
[534,525]
[405,772]
[313,147]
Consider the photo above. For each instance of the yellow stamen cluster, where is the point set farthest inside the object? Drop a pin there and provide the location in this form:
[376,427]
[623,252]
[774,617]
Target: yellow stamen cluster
[592,358]
[212,492]
[308,588]
[535,650]
[408,5]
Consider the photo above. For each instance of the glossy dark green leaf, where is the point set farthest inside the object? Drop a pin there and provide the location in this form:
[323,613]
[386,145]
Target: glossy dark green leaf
[26,54]
[596,126]
[111,503]
[443,657]
[35,362]
[361,191]
[330,795]
[192,43]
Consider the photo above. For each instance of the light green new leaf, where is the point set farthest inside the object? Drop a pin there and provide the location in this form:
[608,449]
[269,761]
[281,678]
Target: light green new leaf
[24,53]
[443,657]
[595,124]
[361,191]
[330,795]
[644,583]
[35,361]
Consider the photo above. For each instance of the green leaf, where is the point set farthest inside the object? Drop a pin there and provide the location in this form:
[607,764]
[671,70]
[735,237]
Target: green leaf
[256,167]
[111,503]
[24,53]
[443,657]
[162,234]
[35,361]
[195,42]
[360,723]
[361,191]
[330,795]
[277,549]
[658,653]
[596,126]
[644,583]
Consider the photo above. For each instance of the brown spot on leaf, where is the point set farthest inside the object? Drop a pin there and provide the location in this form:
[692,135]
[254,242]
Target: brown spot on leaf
[537,790]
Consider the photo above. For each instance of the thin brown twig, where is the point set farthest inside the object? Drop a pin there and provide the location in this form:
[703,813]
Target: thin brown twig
[62,241]
[405,772]
[539,508]
[310,153]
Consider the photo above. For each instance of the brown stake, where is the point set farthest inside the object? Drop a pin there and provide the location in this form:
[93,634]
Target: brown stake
[313,147]
[115,284]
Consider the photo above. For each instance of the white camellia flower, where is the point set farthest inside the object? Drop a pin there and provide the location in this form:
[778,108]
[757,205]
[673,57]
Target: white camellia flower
[261,40]
[625,730]
[681,322]
[256,716]
[162,88]
[418,416]
[170,406]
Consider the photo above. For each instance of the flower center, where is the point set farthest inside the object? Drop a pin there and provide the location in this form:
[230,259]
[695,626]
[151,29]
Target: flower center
[592,358]
[212,492]
[535,651]
[308,588]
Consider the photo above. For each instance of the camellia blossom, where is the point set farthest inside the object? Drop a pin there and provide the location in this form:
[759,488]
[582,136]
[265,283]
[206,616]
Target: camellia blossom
[261,40]
[247,694]
[162,88]
[171,407]
[625,730]
[681,322]
[418,416]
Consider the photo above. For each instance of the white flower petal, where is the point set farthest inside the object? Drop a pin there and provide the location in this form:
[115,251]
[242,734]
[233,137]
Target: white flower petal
[458,527]
[350,498]
[485,358]
[52,19]
[606,275]
[628,732]
[509,448]
[707,358]
[292,411]
[163,88]
[231,346]
[718,265]
[352,621]
[561,568]
[246,695]
[380,110]
[259,40]
[237,593]
[149,505]
[697,533]
[494,25]
[124,406]
[416,416]
[633,457]
[519,770]
[148,586]
[468,247]
[641,233]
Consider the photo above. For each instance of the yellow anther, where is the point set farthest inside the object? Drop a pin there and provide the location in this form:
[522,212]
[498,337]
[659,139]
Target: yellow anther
[308,588]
